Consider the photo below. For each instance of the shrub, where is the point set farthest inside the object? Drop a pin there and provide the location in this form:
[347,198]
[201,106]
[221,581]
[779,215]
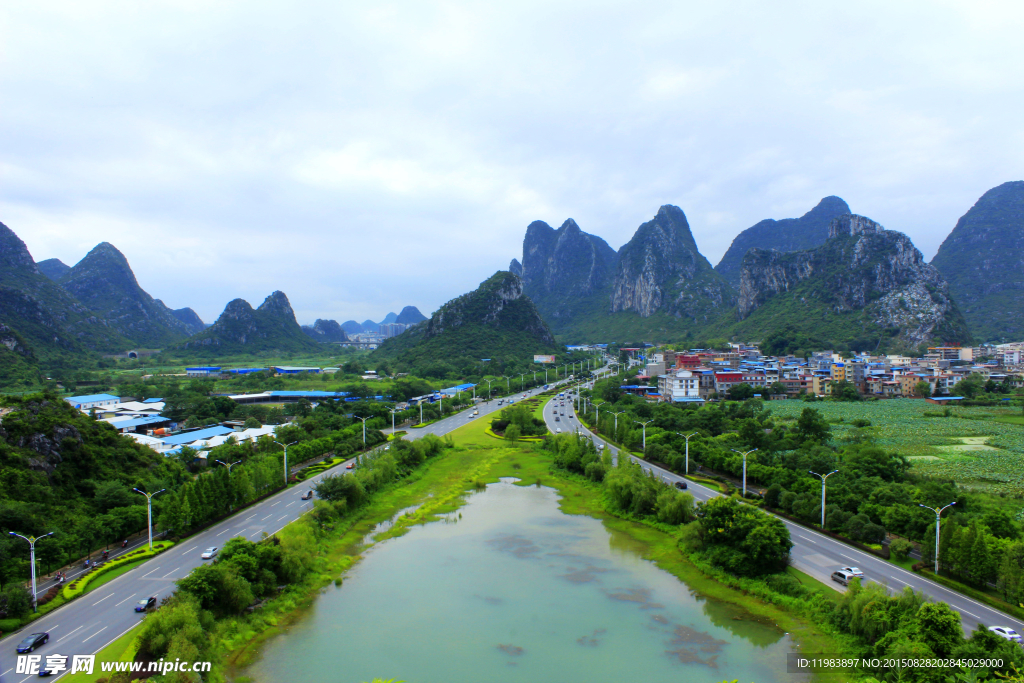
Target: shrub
[900,548]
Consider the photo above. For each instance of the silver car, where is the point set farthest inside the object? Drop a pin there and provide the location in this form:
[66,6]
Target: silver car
[1005,632]
[210,553]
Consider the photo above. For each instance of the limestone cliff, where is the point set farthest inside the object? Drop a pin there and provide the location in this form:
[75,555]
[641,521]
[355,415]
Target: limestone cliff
[661,270]
[271,327]
[325,331]
[864,281]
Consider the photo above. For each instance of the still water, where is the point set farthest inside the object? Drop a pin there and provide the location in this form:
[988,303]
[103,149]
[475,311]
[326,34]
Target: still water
[514,591]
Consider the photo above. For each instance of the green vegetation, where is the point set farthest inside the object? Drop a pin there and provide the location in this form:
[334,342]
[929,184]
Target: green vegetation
[494,321]
[116,566]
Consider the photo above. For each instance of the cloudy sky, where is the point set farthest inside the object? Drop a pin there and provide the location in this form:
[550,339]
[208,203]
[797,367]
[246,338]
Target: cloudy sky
[364,156]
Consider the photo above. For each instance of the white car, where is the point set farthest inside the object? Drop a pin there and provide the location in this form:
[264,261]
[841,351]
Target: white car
[558,430]
[210,553]
[856,571]
[1005,632]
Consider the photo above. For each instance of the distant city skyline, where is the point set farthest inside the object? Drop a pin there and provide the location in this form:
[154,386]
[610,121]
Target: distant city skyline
[363,158]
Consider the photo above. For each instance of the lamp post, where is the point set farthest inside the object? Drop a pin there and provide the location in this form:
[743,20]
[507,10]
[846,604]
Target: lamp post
[149,504]
[621,412]
[392,411]
[938,522]
[744,468]
[285,447]
[644,424]
[687,437]
[489,381]
[508,387]
[521,382]
[226,464]
[363,419]
[32,552]
[823,477]
[421,406]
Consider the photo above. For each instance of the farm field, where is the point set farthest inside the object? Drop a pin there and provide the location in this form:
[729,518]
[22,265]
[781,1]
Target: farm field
[978,447]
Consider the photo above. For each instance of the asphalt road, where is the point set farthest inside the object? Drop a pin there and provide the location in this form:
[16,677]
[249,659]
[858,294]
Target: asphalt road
[90,623]
[813,553]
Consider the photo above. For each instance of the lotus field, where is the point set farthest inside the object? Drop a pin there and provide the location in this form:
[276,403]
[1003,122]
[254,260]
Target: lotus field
[967,447]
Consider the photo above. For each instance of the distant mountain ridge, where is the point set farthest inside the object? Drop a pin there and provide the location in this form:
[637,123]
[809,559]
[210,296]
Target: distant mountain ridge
[788,234]
[53,268]
[983,260]
[240,329]
[190,318]
[325,331]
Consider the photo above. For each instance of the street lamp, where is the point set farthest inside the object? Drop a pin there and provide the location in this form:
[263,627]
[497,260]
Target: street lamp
[285,446]
[938,521]
[621,412]
[32,552]
[823,477]
[508,387]
[644,424]
[687,437]
[392,411]
[521,383]
[149,504]
[744,468]
[364,419]
[489,381]
[226,464]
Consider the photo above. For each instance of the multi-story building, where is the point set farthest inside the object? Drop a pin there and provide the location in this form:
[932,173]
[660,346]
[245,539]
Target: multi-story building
[680,386]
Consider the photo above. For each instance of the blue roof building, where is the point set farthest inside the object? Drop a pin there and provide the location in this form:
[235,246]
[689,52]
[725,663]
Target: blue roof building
[153,400]
[93,401]
[192,437]
[134,423]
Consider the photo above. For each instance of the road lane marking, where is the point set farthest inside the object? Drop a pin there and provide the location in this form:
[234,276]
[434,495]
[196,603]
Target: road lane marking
[168,573]
[151,571]
[190,550]
[895,579]
[809,540]
[275,503]
[109,595]
[126,599]
[67,634]
[851,559]
[973,615]
[282,517]
[95,634]
[223,532]
[267,517]
[290,504]
[248,518]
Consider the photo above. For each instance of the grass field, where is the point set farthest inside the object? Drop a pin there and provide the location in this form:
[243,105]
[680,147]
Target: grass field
[979,447]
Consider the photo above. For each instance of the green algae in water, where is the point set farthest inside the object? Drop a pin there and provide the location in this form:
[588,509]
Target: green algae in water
[519,591]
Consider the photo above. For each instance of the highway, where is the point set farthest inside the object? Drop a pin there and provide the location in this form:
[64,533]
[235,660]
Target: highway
[90,623]
[814,553]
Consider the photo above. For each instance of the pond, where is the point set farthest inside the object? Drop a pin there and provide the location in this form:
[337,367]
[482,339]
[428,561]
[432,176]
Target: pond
[516,590]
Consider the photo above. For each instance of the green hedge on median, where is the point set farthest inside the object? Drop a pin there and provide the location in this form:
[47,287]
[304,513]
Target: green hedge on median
[78,586]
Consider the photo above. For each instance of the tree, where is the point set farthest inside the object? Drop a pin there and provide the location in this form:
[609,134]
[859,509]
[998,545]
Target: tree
[923,389]
[970,386]
[744,540]
[812,426]
[938,627]
[741,392]
[512,432]
[252,423]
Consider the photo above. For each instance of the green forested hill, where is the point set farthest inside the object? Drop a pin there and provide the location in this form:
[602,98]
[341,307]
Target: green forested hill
[494,321]
[983,260]
[240,330]
[63,471]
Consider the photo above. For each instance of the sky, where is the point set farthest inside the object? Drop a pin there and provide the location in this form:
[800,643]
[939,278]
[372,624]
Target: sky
[365,156]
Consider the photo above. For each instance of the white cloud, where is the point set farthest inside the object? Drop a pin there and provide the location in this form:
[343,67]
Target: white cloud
[361,157]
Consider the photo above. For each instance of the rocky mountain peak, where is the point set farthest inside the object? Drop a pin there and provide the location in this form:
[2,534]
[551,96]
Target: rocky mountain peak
[272,326]
[411,315]
[325,331]
[13,252]
[278,304]
[515,267]
[851,224]
[661,269]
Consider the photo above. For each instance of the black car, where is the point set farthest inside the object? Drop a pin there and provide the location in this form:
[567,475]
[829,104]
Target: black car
[145,604]
[681,485]
[32,642]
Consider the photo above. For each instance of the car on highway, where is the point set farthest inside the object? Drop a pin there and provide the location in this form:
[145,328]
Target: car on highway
[856,571]
[681,485]
[558,430]
[145,604]
[556,419]
[843,577]
[1005,632]
[349,466]
[210,553]
[33,641]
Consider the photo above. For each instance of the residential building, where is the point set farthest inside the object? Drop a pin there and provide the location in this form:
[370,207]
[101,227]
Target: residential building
[680,386]
[93,401]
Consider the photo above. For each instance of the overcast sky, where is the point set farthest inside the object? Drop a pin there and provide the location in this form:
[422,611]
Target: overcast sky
[364,156]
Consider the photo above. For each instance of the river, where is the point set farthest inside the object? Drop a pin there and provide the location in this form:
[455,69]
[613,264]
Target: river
[512,589]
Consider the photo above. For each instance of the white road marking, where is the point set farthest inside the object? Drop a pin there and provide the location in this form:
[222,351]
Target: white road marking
[66,635]
[848,557]
[223,532]
[895,579]
[809,540]
[150,572]
[282,517]
[290,504]
[275,503]
[168,574]
[7,672]
[95,634]
[973,615]
[248,518]
[190,550]
[125,600]
[109,595]
[267,517]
